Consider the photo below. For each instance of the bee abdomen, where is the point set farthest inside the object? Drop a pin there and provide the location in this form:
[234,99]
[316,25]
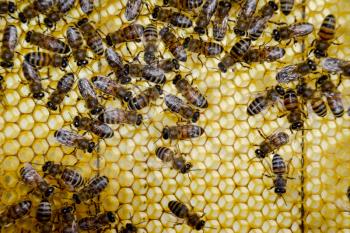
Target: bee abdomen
[165,154]
[327,29]
[256,106]
[179,209]
[44,212]
[319,107]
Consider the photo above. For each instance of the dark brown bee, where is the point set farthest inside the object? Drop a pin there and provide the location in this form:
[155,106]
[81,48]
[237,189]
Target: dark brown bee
[92,189]
[192,219]
[86,6]
[292,105]
[259,22]
[129,228]
[115,61]
[173,44]
[71,139]
[75,41]
[178,106]
[9,43]
[133,9]
[120,116]
[203,19]
[176,160]
[286,6]
[151,73]
[168,65]
[15,212]
[150,39]
[191,94]
[170,16]
[208,49]
[97,222]
[245,16]
[130,33]
[7,7]
[182,132]
[96,127]
[265,100]
[89,95]
[221,20]
[44,211]
[325,35]
[111,87]
[336,65]
[32,178]
[64,85]
[34,9]
[265,54]
[91,36]
[40,59]
[290,100]
[68,220]
[32,76]
[318,105]
[47,42]
[69,177]
[183,4]
[236,54]
[58,12]
[145,98]
[292,32]
[271,143]
[296,71]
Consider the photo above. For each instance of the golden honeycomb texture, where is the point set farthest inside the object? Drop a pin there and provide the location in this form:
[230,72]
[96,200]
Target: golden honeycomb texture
[228,187]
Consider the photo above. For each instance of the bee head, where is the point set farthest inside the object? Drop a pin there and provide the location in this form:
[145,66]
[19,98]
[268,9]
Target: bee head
[1,78]
[110,216]
[322,79]
[319,53]
[165,2]
[199,30]
[51,106]
[82,22]
[155,12]
[127,96]
[222,67]
[259,153]
[38,95]
[163,31]
[176,79]
[76,198]
[49,191]
[64,62]
[130,227]
[276,35]
[200,225]
[280,90]
[96,110]
[186,168]
[311,64]
[7,64]
[225,4]
[22,18]
[239,32]
[165,133]
[280,190]
[91,147]
[159,89]
[46,166]
[83,62]
[66,210]
[109,40]
[273,5]
[195,117]
[28,36]
[12,7]
[139,119]
[186,42]
[149,57]
[76,121]
[48,22]
[176,64]
[299,125]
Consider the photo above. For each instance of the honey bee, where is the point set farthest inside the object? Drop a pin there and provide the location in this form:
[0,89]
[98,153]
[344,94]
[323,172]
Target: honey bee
[97,222]
[208,49]
[150,36]
[86,6]
[172,43]
[129,228]
[292,32]
[9,43]
[191,94]
[69,177]
[178,106]
[295,114]
[265,54]
[7,7]
[68,220]
[177,161]
[44,211]
[317,104]
[75,41]
[296,71]
[265,100]
[32,76]
[203,19]
[115,61]
[168,65]
[182,132]
[91,36]
[144,99]
[183,4]
[325,35]
[172,17]
[271,143]
[96,127]
[111,87]
[32,178]
[221,19]
[92,189]
[88,93]
[15,212]
[244,17]
[40,59]
[120,116]
[58,12]
[336,65]
[133,9]
[130,33]
[236,54]
[34,9]
[64,85]
[71,139]
[259,22]
[192,219]
[151,73]
[286,6]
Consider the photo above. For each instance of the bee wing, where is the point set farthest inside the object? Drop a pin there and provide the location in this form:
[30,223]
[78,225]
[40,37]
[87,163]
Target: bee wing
[66,137]
[333,64]
[173,102]
[257,24]
[13,37]
[32,176]
[133,8]
[31,71]
[249,8]
[101,127]
[287,74]
[301,29]
[113,58]
[86,89]
[118,115]
[86,6]
[274,53]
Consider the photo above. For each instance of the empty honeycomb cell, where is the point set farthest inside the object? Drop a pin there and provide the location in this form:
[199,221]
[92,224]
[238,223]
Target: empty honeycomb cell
[125,195]
[8,197]
[126,178]
[154,211]
[111,170]
[11,114]
[270,226]
[169,186]
[110,203]
[241,178]
[97,164]
[26,138]
[9,180]
[212,161]
[26,122]
[241,226]
[40,146]
[26,105]
[226,186]
[251,218]
[239,145]
[11,98]
[10,147]
[139,203]
[25,154]
[40,130]
[55,122]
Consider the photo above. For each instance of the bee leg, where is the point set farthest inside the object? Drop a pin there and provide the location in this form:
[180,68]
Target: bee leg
[127,48]
[199,59]
[262,134]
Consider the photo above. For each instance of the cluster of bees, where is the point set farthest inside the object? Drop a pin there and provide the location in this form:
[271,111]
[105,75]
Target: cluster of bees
[293,92]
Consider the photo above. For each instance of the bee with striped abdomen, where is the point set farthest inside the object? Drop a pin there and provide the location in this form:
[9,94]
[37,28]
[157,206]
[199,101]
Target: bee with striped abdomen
[178,106]
[144,98]
[58,12]
[295,114]
[9,43]
[64,85]
[120,116]
[167,15]
[175,159]
[97,222]
[129,33]
[205,14]
[286,6]
[92,189]
[96,127]
[43,216]
[221,20]
[15,212]
[294,72]
[35,8]
[245,17]
[149,72]
[264,54]
[150,40]
[208,49]
[325,35]
[115,61]
[133,9]
[41,59]
[182,132]
[71,139]
[173,44]
[75,41]
[31,74]
[318,105]
[271,143]
[91,36]
[292,32]
[111,87]
[336,65]
[168,65]
[7,7]
[68,220]
[89,95]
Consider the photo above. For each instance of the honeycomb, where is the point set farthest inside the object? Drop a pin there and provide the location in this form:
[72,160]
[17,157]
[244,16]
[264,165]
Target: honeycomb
[229,188]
